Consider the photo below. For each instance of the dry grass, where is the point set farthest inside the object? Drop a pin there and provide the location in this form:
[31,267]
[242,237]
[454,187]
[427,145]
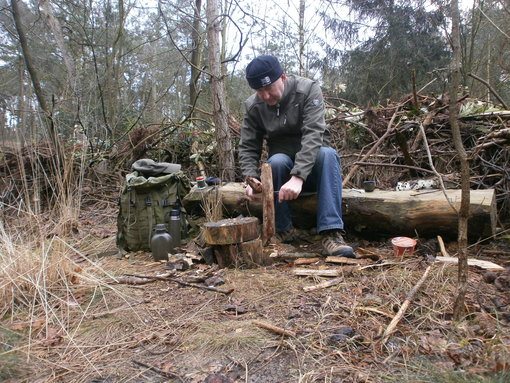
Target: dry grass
[212,205]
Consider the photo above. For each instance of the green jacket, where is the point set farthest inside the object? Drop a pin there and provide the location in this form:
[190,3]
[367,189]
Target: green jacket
[295,127]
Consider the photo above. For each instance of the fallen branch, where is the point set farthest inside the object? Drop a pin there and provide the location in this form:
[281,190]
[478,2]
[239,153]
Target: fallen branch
[417,168]
[393,324]
[158,371]
[216,290]
[323,285]
[275,329]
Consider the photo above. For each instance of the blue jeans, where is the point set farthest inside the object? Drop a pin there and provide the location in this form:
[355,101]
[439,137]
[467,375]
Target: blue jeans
[325,179]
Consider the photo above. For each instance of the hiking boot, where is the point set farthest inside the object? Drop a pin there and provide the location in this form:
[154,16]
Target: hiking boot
[333,244]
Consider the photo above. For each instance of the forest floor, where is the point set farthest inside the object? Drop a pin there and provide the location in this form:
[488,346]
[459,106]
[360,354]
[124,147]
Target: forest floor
[163,331]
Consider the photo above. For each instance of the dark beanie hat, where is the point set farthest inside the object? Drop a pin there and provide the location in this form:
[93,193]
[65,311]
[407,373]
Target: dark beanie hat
[263,71]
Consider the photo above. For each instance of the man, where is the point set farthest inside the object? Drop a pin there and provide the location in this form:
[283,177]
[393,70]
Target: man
[288,112]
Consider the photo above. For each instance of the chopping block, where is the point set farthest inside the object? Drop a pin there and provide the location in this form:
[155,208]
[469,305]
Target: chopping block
[236,242]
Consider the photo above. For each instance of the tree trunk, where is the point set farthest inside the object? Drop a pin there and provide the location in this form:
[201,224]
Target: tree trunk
[196,54]
[459,309]
[302,37]
[220,112]
[56,29]
[27,55]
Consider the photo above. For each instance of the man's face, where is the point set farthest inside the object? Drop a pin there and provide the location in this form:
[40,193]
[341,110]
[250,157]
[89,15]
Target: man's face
[272,94]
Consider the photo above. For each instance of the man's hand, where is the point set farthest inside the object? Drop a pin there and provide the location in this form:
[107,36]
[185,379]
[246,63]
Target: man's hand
[253,188]
[291,189]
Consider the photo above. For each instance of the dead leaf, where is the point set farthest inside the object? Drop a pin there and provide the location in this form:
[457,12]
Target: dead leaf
[52,338]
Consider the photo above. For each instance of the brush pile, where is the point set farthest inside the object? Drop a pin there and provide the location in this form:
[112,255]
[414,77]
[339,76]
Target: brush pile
[391,144]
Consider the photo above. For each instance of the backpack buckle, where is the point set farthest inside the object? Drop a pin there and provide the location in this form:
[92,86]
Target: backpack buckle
[148,201]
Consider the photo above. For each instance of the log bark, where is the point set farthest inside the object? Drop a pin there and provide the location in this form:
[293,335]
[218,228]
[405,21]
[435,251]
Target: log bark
[379,213]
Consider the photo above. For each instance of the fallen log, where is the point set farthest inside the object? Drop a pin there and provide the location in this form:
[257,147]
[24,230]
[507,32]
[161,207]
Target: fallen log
[378,213]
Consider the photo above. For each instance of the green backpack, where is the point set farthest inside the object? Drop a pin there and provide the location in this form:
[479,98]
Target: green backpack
[144,203]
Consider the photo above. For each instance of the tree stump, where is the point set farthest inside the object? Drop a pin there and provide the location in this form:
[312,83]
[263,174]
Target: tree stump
[231,231]
[236,242]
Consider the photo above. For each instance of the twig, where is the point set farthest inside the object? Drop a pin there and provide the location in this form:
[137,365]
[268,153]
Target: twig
[393,324]
[113,311]
[394,166]
[293,255]
[273,328]
[492,90]
[323,285]
[374,310]
[168,375]
[226,292]
[426,85]
[431,163]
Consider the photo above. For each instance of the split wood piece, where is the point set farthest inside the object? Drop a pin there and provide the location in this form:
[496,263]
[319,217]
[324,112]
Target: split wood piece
[202,287]
[283,255]
[246,254]
[268,219]
[347,261]
[273,328]
[306,261]
[393,324]
[324,273]
[486,265]
[382,212]
[324,285]
[231,231]
[442,247]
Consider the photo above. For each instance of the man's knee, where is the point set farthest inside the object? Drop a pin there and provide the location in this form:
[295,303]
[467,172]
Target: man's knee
[280,161]
[327,155]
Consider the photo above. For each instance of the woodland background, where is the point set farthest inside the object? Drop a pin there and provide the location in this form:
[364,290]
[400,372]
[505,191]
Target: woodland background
[118,77]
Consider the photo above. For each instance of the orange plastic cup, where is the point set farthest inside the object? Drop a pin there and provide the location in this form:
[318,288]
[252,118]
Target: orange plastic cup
[403,246]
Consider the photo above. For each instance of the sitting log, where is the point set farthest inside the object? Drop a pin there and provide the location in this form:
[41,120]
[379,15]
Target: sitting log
[378,213]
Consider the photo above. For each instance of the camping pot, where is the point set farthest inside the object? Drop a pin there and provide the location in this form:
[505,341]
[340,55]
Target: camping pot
[161,243]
